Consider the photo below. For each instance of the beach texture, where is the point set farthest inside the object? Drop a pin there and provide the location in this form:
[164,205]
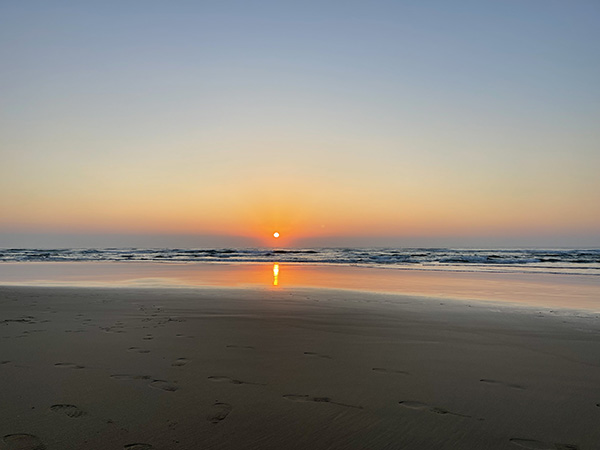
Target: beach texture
[101,368]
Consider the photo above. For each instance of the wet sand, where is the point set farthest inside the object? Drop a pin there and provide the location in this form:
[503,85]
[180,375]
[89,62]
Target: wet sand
[529,288]
[223,368]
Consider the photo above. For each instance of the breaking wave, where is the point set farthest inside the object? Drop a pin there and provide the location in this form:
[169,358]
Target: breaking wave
[581,262]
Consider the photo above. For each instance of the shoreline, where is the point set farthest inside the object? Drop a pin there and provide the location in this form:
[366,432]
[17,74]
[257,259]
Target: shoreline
[255,291]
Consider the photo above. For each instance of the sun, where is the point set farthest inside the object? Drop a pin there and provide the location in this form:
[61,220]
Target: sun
[276,234]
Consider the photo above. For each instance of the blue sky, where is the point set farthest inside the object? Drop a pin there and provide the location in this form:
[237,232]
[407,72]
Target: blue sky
[334,121]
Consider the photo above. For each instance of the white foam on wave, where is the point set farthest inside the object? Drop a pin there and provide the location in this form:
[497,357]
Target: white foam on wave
[581,262]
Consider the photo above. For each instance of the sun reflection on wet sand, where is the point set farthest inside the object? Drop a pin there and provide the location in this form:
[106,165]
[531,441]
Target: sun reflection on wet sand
[570,291]
[275,274]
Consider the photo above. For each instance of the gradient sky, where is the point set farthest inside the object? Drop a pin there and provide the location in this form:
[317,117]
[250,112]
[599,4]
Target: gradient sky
[204,123]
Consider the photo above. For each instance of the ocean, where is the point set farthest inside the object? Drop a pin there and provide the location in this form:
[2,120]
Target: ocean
[557,261]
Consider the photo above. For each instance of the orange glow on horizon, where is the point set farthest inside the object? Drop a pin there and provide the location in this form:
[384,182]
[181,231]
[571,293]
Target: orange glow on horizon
[299,217]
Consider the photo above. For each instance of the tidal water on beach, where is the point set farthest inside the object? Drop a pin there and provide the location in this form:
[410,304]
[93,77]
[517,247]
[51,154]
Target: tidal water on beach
[556,290]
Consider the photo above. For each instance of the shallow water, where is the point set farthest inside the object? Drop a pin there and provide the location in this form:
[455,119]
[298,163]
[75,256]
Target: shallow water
[552,290]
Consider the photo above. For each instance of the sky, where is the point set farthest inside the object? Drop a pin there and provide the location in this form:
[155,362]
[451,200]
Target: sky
[336,123]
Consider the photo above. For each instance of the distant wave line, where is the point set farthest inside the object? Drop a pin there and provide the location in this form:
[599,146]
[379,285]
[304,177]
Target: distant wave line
[573,261]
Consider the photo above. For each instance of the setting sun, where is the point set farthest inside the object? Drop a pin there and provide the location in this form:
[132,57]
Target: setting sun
[276,234]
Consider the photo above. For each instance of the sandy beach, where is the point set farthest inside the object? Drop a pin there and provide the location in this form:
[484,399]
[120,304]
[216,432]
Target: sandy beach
[300,225]
[252,368]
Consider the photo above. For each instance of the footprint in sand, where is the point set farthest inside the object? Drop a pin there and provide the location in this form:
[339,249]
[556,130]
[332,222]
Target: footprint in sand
[222,379]
[71,411]
[317,355]
[68,365]
[23,442]
[297,397]
[424,406]
[219,411]
[138,350]
[24,319]
[128,377]
[384,370]
[163,385]
[138,446]
[113,329]
[148,337]
[307,398]
[501,383]
[180,362]
[539,445]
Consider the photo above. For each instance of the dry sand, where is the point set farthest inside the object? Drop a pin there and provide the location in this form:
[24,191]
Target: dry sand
[92,368]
